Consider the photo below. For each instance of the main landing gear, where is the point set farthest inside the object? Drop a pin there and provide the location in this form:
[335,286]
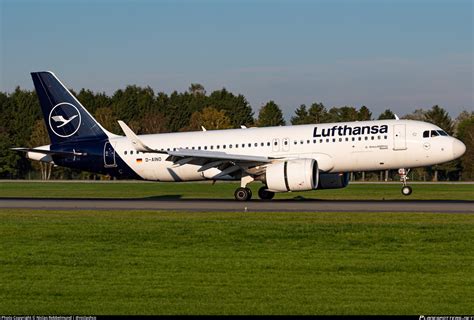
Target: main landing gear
[265,194]
[244,194]
[406,190]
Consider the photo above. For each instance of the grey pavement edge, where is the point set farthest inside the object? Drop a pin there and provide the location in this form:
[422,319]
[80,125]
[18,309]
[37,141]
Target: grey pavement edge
[177,204]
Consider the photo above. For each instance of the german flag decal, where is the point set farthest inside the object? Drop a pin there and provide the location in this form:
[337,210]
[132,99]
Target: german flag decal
[139,160]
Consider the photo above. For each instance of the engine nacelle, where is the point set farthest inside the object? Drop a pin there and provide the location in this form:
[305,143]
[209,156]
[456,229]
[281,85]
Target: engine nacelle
[292,175]
[333,180]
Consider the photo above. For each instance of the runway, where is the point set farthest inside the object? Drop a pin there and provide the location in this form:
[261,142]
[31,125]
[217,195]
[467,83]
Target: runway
[304,205]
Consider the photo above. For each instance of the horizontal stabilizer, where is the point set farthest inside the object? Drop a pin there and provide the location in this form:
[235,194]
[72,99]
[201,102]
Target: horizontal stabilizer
[50,152]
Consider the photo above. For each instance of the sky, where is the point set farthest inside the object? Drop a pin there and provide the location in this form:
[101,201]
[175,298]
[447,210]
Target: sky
[401,55]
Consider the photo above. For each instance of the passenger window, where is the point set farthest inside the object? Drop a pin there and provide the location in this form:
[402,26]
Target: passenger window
[262,144]
[314,140]
[340,139]
[301,141]
[333,139]
[372,138]
[255,144]
[131,152]
[307,141]
[217,147]
[125,152]
[223,147]
[366,138]
[250,145]
[268,144]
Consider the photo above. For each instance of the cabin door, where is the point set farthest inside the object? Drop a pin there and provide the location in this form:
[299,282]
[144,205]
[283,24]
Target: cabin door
[399,137]
[109,155]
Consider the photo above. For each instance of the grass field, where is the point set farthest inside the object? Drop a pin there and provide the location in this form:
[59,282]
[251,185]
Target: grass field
[226,191]
[105,262]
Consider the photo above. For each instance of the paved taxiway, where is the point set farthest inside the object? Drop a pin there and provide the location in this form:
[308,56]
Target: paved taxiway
[230,205]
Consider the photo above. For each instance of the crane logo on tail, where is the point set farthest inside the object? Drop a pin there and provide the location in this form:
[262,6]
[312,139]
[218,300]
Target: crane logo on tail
[64,119]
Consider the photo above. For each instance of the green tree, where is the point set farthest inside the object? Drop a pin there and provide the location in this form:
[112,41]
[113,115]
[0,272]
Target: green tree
[418,114]
[210,118]
[466,135]
[236,108]
[8,158]
[317,113]
[39,137]
[270,115]
[153,122]
[106,117]
[364,114]
[386,115]
[197,89]
[440,117]
[133,102]
[301,116]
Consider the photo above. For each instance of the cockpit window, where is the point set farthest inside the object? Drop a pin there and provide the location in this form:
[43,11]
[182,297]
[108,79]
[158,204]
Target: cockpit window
[434,133]
[443,133]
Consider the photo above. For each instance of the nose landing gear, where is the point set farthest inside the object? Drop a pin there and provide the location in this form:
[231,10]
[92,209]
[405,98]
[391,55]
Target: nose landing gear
[406,190]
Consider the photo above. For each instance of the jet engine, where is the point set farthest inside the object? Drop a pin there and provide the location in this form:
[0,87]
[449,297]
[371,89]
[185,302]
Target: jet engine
[333,180]
[292,175]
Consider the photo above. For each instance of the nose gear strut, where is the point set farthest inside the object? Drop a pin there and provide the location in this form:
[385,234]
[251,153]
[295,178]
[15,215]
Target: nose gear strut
[403,173]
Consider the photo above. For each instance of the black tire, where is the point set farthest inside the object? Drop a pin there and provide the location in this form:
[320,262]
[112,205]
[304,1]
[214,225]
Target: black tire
[406,190]
[243,194]
[264,194]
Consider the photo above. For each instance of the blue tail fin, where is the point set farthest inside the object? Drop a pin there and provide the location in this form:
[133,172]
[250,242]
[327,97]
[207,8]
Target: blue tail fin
[66,119]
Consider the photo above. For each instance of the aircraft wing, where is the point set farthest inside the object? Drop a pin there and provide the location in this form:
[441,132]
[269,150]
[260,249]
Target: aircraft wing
[214,155]
[229,164]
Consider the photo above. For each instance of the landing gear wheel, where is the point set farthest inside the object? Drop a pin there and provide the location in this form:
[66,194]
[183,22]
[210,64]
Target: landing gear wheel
[406,190]
[264,194]
[243,194]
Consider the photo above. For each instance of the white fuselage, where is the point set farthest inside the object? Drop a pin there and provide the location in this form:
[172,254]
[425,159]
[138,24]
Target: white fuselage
[337,147]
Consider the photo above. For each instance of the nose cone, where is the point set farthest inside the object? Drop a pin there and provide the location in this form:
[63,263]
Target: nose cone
[458,148]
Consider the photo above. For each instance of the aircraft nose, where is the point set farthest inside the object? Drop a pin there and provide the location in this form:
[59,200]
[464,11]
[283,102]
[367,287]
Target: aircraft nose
[458,148]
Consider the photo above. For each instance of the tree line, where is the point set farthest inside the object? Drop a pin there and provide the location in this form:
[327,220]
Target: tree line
[148,112]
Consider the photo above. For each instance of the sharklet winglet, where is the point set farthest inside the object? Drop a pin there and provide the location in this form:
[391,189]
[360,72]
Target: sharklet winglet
[136,142]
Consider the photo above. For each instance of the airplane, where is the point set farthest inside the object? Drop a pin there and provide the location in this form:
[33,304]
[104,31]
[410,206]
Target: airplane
[283,158]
